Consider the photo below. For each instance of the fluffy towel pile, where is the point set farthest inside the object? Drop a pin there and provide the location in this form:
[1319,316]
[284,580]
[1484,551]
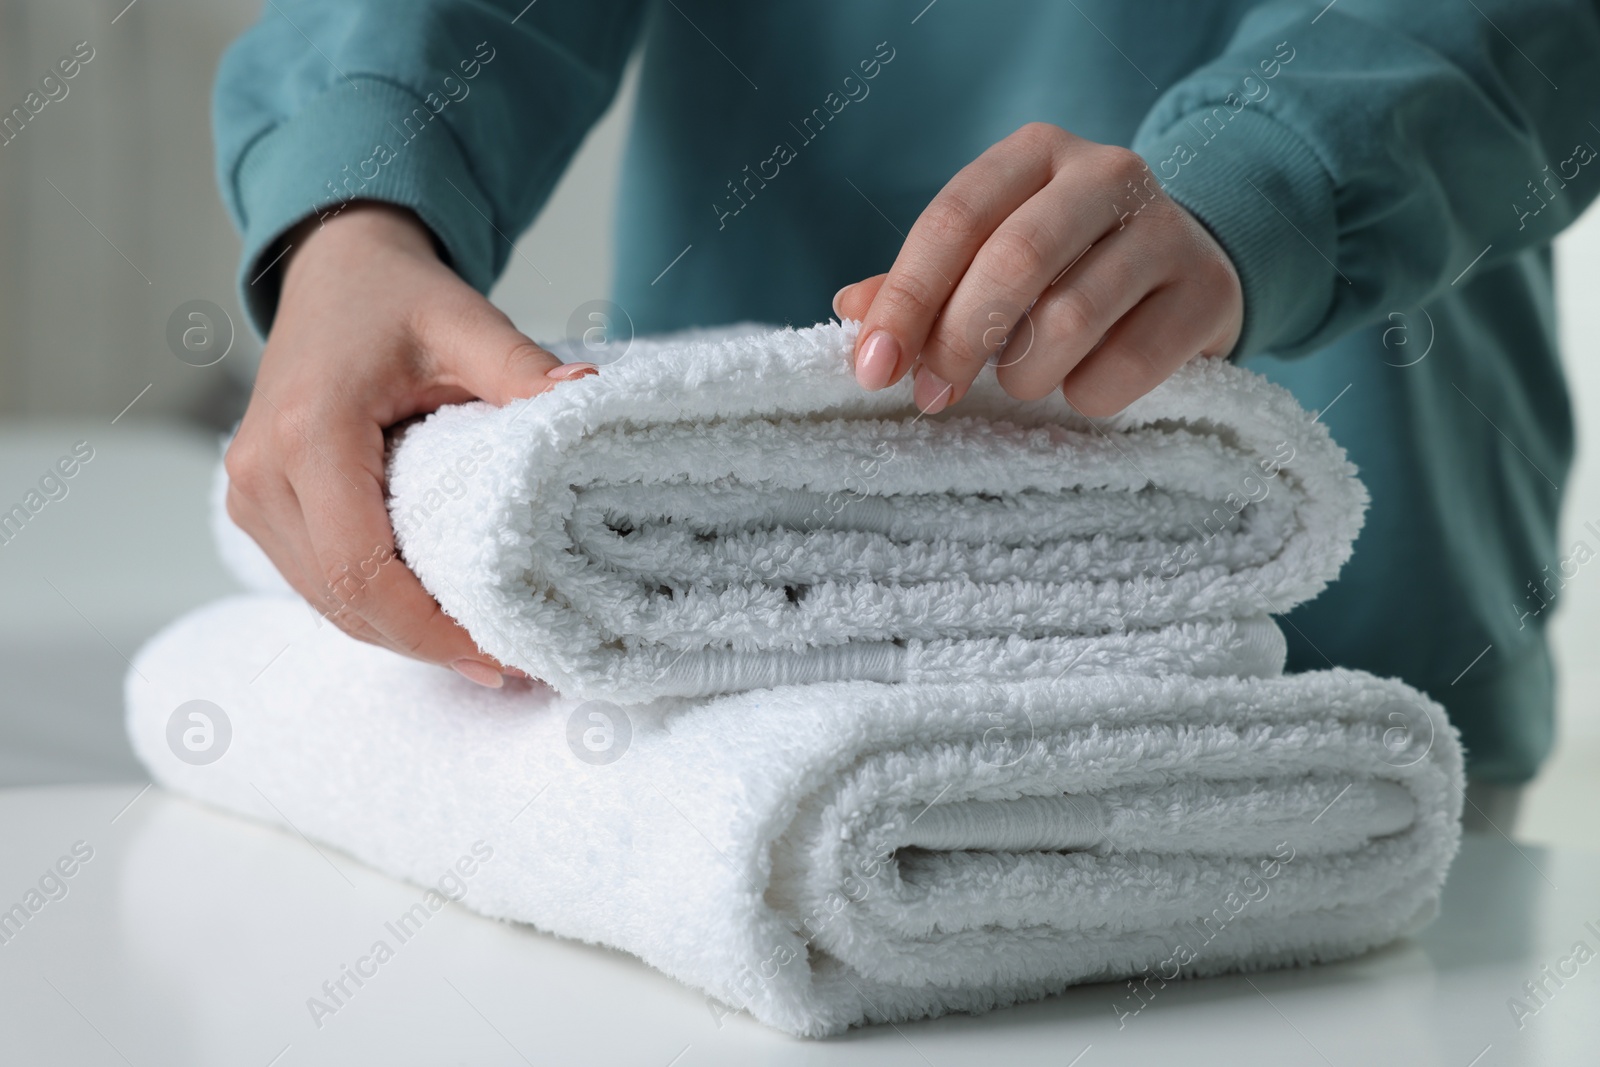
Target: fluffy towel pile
[1026,723]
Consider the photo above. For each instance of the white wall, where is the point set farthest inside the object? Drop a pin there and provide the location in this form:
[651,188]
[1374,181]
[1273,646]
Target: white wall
[82,329]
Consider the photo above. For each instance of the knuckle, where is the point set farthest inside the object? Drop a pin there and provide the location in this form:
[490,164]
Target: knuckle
[521,355]
[349,580]
[244,467]
[1022,252]
[950,218]
[414,634]
[1165,208]
[1070,312]
[295,456]
[951,354]
[907,296]
[1040,136]
[1125,165]
[1135,371]
[296,450]
[343,586]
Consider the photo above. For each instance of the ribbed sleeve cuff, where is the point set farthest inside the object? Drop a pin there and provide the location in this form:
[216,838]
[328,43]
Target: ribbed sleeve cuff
[364,139]
[1268,201]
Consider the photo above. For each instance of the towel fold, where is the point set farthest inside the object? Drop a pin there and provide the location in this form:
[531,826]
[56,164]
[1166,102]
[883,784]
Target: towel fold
[833,854]
[855,714]
[714,515]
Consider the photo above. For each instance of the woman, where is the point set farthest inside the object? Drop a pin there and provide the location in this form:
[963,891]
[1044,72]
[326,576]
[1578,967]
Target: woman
[1355,199]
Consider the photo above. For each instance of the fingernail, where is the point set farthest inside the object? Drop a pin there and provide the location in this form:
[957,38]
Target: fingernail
[475,670]
[569,371]
[876,361]
[836,312]
[931,392]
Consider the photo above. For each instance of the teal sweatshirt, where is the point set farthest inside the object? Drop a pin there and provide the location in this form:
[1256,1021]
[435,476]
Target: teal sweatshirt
[1386,174]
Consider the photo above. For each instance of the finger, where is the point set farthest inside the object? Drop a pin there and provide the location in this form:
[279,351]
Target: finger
[930,394]
[283,539]
[853,300]
[249,517]
[479,350]
[260,502]
[1139,353]
[1030,250]
[1071,316]
[339,485]
[942,243]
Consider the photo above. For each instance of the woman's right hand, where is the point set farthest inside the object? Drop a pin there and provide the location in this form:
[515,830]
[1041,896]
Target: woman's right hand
[371,328]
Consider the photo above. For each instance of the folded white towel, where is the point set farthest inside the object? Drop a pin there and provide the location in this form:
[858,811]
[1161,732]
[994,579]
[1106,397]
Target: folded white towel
[1090,765]
[714,514]
[832,854]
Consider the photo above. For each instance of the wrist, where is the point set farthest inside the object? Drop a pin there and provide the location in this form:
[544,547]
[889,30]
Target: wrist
[1266,199]
[361,229]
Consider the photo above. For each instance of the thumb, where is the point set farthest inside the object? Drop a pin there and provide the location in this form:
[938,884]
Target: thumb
[494,361]
[853,300]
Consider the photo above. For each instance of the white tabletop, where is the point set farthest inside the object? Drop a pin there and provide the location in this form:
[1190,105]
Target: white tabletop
[192,937]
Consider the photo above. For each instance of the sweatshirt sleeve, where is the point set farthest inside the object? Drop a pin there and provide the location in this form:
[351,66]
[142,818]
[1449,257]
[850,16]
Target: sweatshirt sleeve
[1356,158]
[464,111]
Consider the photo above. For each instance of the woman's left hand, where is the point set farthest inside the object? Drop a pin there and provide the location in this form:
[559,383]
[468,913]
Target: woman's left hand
[1114,285]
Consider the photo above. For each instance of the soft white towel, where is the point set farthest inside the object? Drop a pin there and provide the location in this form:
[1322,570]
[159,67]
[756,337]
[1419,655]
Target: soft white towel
[1029,725]
[713,514]
[832,854]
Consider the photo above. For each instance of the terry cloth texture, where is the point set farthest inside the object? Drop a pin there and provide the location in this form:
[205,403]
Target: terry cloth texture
[717,514]
[842,853]
[1089,767]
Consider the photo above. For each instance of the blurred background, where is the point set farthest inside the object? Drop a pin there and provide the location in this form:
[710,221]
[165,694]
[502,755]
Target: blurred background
[110,221]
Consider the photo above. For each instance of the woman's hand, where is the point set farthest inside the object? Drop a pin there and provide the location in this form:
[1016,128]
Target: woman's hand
[1119,285]
[371,328]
